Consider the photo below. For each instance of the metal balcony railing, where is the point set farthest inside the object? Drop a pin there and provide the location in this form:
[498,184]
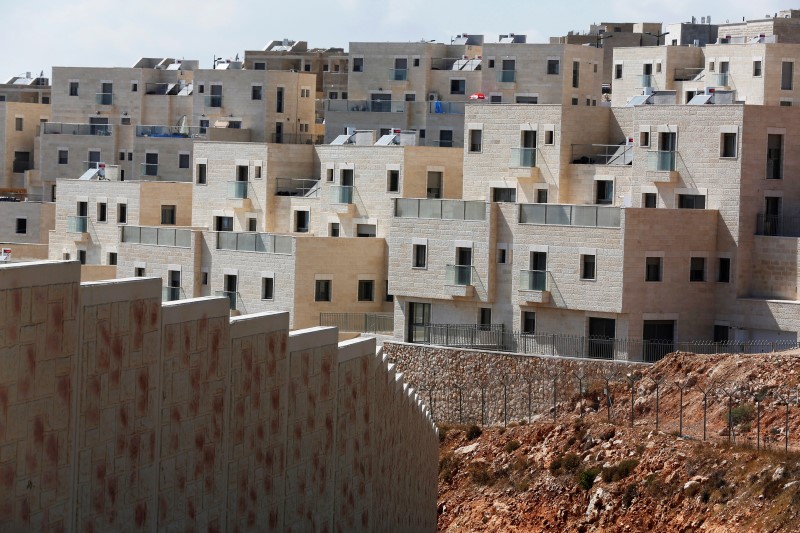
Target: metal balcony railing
[359,322]
[239,190]
[534,280]
[371,106]
[234,299]
[645,81]
[778,225]
[77,224]
[342,194]
[62,128]
[184,132]
[213,100]
[305,187]
[460,275]
[255,242]
[148,169]
[602,154]
[297,138]
[506,76]
[570,215]
[662,161]
[447,108]
[439,209]
[104,98]
[156,236]
[398,74]
[523,157]
[166,89]
[172,294]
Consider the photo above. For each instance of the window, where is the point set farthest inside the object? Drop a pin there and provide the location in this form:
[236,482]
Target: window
[549,137]
[112,258]
[691,201]
[366,290]
[491,63]
[541,196]
[203,125]
[267,288]
[446,138]
[434,185]
[644,139]
[134,87]
[168,215]
[496,99]
[255,92]
[588,263]
[416,62]
[125,121]
[201,173]
[82,256]
[279,100]
[389,297]
[19,124]
[652,269]
[475,140]
[358,64]
[785,103]
[484,318]
[333,229]
[757,68]
[235,124]
[649,200]
[183,160]
[122,156]
[774,157]
[574,101]
[419,316]
[301,221]
[724,270]
[502,256]
[604,192]
[522,99]
[727,145]
[22,226]
[553,66]
[102,212]
[420,259]
[257,172]
[201,88]
[365,230]
[697,269]
[393,181]
[787,70]
[528,322]
[138,272]
[252,224]
[223,223]
[322,290]
[73,88]
[333,95]
[22,162]
[63,157]
[411,97]
[150,164]
[618,71]
[458,86]
[204,278]
[329,174]
[504,194]
[304,93]
[259,66]
[711,66]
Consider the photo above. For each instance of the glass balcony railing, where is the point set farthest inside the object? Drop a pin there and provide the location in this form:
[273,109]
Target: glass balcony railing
[602,154]
[77,224]
[255,242]
[367,106]
[61,128]
[92,164]
[506,76]
[156,236]
[234,299]
[523,157]
[149,169]
[180,132]
[238,190]
[662,161]
[439,209]
[104,98]
[172,294]
[398,74]
[460,275]
[213,100]
[342,194]
[719,79]
[534,280]
[645,81]
[570,215]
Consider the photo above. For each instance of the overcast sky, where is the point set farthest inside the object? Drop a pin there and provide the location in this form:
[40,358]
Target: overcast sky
[38,35]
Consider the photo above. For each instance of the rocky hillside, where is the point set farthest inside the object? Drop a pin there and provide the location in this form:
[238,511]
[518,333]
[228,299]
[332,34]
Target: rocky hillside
[586,474]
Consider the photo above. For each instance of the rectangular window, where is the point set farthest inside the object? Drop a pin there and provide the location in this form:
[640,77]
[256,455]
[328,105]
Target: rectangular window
[504,194]
[757,68]
[102,212]
[652,270]
[528,322]
[267,288]
[458,86]
[301,221]
[727,145]
[724,270]
[618,71]
[322,290]
[183,160]
[393,181]
[22,226]
[691,201]
[604,192]
[204,278]
[112,258]
[122,213]
[151,164]
[82,256]
[774,157]
[434,185]
[255,92]
[553,66]
[541,196]
[223,223]
[366,290]
[19,124]
[644,139]
[420,259]
[168,215]
[410,97]
[201,173]
[522,99]
[134,87]
[549,137]
[588,263]
[204,125]
[501,256]
[574,101]
[333,229]
[787,71]
[259,66]
[485,317]
[697,269]
[252,224]
[63,157]
[358,64]
[475,140]
[785,103]
[366,230]
[138,272]
[279,100]
[650,200]
[73,88]
[419,316]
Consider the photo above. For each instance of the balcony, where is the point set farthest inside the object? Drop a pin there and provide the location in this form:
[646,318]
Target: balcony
[506,76]
[460,281]
[239,190]
[778,226]
[398,74]
[304,187]
[719,79]
[589,216]
[366,106]
[446,108]
[213,100]
[166,89]
[645,81]
[62,128]
[662,161]
[439,209]
[255,242]
[534,285]
[77,224]
[602,154]
[359,322]
[156,236]
[234,299]
[169,132]
[87,165]
[523,158]
[342,194]
[148,170]
[688,74]
[104,98]
[297,138]
[172,294]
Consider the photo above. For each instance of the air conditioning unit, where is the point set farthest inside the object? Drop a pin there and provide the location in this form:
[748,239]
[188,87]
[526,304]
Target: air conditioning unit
[647,91]
[433,96]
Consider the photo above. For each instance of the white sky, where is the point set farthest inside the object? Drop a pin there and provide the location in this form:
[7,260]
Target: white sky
[36,35]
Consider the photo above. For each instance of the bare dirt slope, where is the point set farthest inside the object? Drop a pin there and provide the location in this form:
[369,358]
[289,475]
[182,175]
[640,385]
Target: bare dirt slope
[586,474]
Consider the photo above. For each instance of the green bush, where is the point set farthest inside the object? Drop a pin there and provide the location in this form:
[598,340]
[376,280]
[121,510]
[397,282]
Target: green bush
[571,462]
[586,478]
[555,466]
[480,475]
[619,471]
[474,432]
[512,445]
[448,468]
[629,494]
[743,414]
